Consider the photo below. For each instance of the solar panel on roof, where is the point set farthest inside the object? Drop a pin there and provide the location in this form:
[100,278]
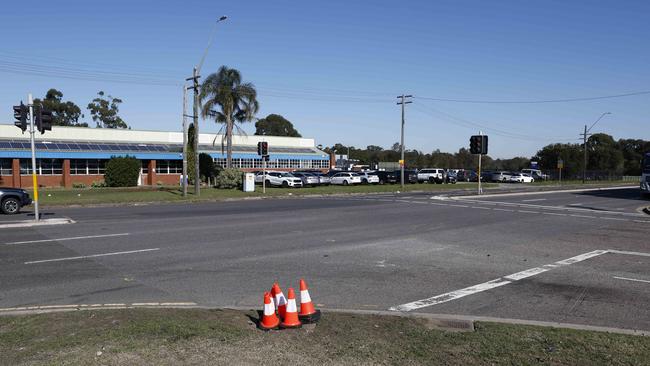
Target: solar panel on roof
[5,145]
[17,145]
[73,146]
[61,146]
[105,147]
[84,146]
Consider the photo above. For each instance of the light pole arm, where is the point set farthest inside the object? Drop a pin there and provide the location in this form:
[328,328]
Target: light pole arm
[599,118]
[210,41]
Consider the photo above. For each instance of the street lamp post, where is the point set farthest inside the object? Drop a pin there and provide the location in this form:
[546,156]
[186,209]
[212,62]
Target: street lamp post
[584,137]
[195,110]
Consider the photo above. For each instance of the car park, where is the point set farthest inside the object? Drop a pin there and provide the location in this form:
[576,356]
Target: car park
[13,199]
[345,178]
[369,178]
[431,175]
[308,179]
[535,173]
[521,178]
[280,179]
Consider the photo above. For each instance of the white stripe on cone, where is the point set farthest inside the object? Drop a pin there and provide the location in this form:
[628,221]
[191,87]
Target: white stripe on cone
[280,299]
[269,309]
[291,306]
[304,297]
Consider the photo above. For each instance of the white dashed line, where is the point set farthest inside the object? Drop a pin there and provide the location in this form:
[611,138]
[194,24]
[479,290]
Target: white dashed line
[553,214]
[65,239]
[502,281]
[92,256]
[631,279]
[528,212]
[534,200]
[503,209]
[612,218]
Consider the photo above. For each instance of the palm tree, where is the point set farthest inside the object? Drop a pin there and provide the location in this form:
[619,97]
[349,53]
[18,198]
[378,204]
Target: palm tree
[237,102]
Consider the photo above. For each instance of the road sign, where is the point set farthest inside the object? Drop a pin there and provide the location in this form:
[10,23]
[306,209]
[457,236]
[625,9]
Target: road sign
[533,165]
[401,163]
[560,164]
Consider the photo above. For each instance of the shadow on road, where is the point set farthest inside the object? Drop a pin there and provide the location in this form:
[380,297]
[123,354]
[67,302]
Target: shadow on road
[624,194]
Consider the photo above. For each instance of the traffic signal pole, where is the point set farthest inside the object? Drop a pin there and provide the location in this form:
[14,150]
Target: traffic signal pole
[402,102]
[480,189]
[32,131]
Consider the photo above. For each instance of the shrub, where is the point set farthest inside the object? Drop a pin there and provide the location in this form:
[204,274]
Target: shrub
[229,178]
[122,172]
[98,184]
[78,185]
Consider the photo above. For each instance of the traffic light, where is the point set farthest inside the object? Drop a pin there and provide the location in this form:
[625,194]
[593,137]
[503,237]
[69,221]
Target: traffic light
[20,114]
[264,148]
[259,148]
[478,144]
[43,119]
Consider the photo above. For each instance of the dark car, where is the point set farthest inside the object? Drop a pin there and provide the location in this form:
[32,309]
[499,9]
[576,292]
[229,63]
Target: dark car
[410,176]
[12,199]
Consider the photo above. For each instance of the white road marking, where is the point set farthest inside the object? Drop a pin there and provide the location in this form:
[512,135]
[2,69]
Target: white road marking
[31,223]
[464,206]
[65,239]
[92,256]
[534,200]
[449,296]
[629,253]
[503,209]
[529,212]
[481,208]
[612,218]
[583,216]
[631,279]
[94,306]
[553,214]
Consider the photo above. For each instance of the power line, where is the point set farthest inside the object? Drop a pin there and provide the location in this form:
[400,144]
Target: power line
[565,100]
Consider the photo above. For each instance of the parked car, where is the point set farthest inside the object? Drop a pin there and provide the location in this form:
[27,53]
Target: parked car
[385,177]
[466,176]
[501,176]
[345,178]
[322,178]
[521,178]
[13,199]
[431,175]
[535,173]
[308,179]
[281,179]
[410,176]
[369,178]
[451,177]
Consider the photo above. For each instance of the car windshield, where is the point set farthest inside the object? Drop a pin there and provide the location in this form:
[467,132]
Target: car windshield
[287,175]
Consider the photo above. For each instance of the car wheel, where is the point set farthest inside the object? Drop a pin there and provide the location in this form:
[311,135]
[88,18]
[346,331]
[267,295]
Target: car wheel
[10,206]
[285,184]
[532,180]
[345,183]
[381,182]
[268,183]
[431,180]
[364,181]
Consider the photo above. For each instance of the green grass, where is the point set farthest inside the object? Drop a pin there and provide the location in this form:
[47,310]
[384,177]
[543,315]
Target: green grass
[87,196]
[198,336]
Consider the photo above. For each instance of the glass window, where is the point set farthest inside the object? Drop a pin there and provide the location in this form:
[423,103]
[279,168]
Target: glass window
[6,167]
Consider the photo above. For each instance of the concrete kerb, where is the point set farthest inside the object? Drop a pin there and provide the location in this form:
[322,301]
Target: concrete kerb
[42,222]
[448,322]
[542,191]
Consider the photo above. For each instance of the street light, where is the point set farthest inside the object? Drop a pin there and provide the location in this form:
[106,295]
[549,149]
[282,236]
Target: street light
[584,136]
[195,110]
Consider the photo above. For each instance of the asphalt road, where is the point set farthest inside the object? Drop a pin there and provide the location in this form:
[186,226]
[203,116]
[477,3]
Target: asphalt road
[566,257]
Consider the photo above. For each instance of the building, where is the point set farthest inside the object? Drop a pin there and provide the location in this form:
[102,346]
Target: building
[68,155]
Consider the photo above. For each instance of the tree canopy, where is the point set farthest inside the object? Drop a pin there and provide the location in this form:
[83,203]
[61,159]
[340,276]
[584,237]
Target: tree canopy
[64,113]
[275,125]
[104,109]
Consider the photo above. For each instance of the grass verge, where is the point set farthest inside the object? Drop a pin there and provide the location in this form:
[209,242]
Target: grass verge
[58,196]
[199,336]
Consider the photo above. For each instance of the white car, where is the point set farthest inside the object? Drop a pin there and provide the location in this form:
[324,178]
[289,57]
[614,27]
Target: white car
[345,178]
[521,178]
[369,178]
[431,175]
[279,179]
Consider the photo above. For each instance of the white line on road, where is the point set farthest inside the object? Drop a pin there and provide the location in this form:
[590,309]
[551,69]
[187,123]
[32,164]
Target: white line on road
[503,209]
[529,212]
[631,279]
[629,253]
[534,200]
[449,296]
[65,239]
[92,256]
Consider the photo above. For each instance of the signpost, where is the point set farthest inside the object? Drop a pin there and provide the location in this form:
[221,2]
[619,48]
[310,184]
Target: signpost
[263,151]
[560,166]
[478,144]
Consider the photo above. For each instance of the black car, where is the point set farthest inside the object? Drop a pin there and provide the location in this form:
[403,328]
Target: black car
[12,199]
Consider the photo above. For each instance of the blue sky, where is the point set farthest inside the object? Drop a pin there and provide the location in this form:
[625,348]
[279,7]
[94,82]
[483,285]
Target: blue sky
[335,67]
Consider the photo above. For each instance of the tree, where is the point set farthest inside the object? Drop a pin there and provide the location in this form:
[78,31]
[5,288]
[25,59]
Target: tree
[275,125]
[207,167]
[122,171]
[604,154]
[237,101]
[104,111]
[63,113]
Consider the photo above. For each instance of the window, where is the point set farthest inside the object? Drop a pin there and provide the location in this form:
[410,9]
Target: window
[43,166]
[6,167]
[169,166]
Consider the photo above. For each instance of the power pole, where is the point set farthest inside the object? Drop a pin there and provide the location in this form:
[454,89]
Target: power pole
[184,179]
[584,166]
[402,102]
[195,120]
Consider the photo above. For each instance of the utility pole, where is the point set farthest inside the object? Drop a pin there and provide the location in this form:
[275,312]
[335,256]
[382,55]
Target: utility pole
[195,119]
[32,132]
[480,156]
[402,102]
[585,135]
[184,182]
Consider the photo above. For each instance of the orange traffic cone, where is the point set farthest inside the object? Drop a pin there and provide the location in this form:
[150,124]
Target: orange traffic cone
[308,313]
[291,316]
[269,319]
[280,300]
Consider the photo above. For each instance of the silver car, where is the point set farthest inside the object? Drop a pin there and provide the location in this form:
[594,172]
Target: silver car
[308,179]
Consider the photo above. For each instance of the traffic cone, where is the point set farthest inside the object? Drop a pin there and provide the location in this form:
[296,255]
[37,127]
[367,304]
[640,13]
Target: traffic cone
[291,316]
[308,313]
[280,300]
[269,319]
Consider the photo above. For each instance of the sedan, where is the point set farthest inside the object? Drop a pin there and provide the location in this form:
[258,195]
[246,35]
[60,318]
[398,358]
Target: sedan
[369,178]
[308,179]
[521,178]
[345,179]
